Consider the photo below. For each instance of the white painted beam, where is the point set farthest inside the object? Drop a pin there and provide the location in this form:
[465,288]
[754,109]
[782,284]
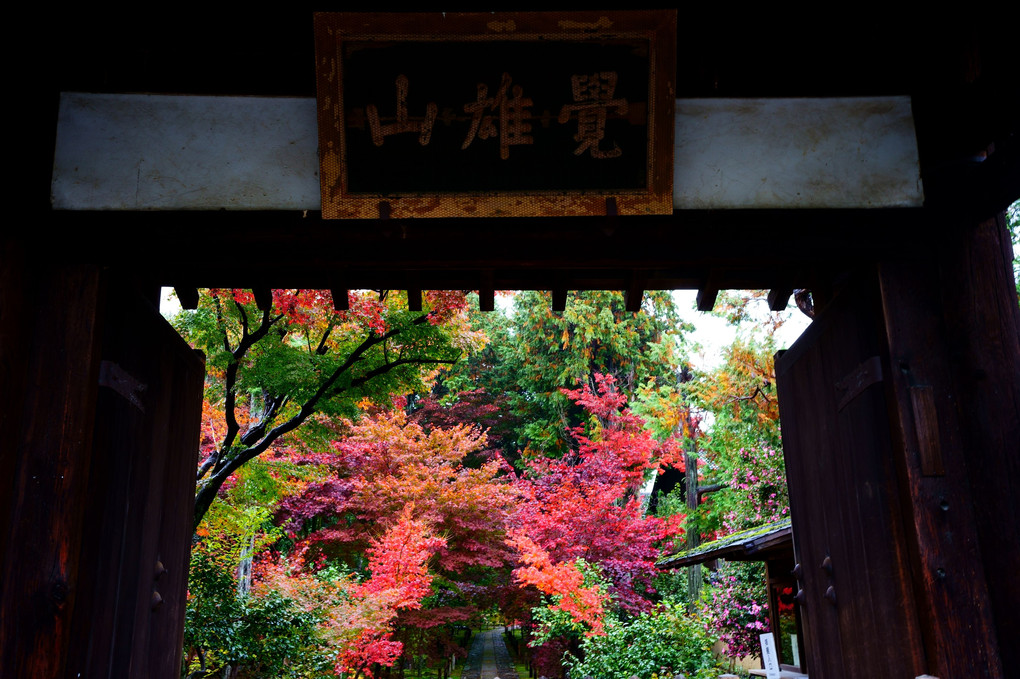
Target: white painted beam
[795,153]
[164,152]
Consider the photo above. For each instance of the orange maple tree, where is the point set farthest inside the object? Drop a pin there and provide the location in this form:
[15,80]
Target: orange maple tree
[381,467]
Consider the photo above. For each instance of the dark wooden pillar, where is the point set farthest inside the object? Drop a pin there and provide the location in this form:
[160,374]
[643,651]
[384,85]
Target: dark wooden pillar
[130,617]
[98,444]
[983,319]
[49,349]
[901,417]
[856,591]
[953,326]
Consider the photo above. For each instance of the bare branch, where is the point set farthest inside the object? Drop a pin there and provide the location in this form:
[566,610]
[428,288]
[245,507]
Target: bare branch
[711,488]
[394,364]
[322,348]
[244,319]
[255,432]
[756,393]
[229,405]
[209,462]
[248,340]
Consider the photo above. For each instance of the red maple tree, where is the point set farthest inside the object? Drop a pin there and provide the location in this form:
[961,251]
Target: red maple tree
[359,617]
[586,505]
[384,465]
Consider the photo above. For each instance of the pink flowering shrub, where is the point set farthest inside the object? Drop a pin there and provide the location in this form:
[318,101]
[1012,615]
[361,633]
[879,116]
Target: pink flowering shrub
[738,607]
[759,482]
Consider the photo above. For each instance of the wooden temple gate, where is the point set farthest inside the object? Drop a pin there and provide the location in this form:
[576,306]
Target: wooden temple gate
[900,405]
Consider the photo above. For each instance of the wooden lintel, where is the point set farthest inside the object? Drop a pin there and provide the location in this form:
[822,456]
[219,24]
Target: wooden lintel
[633,294]
[188,297]
[413,291]
[707,295]
[486,291]
[559,298]
[779,297]
[263,298]
[341,298]
[362,255]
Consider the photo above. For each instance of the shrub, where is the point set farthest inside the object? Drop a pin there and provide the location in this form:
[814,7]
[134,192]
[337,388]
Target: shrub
[267,634]
[666,637]
[738,607]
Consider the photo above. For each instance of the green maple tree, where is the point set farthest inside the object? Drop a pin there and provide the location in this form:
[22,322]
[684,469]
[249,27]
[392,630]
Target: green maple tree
[300,363]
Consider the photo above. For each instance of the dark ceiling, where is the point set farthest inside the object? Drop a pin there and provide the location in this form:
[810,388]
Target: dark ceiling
[961,72]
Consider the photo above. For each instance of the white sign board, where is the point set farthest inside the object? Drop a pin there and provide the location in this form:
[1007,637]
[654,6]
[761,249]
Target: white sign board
[769,657]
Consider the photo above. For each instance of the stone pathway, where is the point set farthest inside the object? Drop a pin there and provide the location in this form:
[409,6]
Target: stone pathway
[488,657]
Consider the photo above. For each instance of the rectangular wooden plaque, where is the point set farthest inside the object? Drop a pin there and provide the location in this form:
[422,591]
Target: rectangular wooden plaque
[505,114]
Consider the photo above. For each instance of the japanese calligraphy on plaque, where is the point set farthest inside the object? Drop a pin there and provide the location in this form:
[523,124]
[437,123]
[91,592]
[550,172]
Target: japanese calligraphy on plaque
[518,114]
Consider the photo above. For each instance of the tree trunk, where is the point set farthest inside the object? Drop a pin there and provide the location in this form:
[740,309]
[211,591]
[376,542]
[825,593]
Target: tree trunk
[694,579]
[244,567]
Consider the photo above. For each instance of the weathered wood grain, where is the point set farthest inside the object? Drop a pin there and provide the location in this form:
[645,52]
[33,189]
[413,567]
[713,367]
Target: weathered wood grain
[847,515]
[52,316]
[138,514]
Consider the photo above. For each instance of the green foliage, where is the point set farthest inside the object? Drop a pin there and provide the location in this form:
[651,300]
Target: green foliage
[534,353]
[267,634]
[671,586]
[242,519]
[735,418]
[666,638]
[286,375]
[741,395]
[742,445]
[263,631]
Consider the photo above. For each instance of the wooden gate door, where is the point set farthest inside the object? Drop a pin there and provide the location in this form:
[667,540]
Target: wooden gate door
[129,617]
[854,571]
